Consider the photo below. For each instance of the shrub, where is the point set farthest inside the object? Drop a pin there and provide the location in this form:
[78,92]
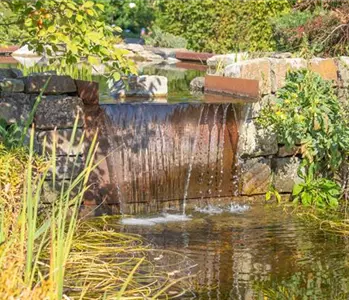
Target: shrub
[327,31]
[222,25]
[158,38]
[308,113]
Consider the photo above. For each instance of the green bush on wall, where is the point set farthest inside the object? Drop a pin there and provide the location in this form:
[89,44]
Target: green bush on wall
[222,25]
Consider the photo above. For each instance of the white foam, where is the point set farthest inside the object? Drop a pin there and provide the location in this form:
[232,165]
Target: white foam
[165,218]
[215,210]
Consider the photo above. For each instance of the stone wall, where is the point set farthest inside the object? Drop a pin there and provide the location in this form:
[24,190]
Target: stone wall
[64,100]
[263,160]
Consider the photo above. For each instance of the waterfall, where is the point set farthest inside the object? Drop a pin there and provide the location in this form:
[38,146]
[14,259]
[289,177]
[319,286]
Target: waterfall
[164,155]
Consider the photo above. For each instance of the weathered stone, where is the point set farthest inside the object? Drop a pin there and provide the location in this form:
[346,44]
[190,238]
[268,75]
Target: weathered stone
[12,85]
[257,69]
[285,152]
[343,71]
[15,107]
[219,62]
[88,91]
[67,168]
[57,84]
[286,173]
[256,176]
[279,69]
[146,86]
[62,137]
[325,67]
[197,84]
[25,52]
[256,107]
[255,141]
[10,73]
[59,112]
[343,96]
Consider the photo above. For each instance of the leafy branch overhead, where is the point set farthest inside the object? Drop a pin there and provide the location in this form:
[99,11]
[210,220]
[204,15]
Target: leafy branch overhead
[70,32]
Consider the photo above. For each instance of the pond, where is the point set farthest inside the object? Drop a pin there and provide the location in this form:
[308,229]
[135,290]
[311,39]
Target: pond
[243,250]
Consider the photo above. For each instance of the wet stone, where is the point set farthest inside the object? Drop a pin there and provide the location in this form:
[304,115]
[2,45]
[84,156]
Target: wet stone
[59,112]
[256,176]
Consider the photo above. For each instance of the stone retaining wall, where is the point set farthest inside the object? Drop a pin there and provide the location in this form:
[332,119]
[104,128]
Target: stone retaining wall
[62,102]
[263,160]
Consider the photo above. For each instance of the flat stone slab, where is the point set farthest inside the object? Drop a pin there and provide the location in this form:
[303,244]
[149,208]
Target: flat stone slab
[193,56]
[59,112]
[15,107]
[88,91]
[62,138]
[12,85]
[256,176]
[57,85]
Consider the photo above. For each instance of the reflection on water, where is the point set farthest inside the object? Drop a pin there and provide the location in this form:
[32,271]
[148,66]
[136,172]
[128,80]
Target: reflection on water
[260,250]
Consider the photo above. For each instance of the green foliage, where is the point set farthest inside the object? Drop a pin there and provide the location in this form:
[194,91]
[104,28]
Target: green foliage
[158,38]
[68,31]
[222,25]
[129,14]
[10,33]
[307,113]
[326,30]
[318,192]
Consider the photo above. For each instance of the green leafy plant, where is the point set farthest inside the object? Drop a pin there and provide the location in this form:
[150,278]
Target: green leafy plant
[159,38]
[69,32]
[307,113]
[221,25]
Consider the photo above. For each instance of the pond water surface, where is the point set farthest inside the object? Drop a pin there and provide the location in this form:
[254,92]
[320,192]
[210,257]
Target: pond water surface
[245,252]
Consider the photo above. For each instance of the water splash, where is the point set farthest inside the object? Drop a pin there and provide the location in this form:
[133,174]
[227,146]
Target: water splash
[216,210]
[164,218]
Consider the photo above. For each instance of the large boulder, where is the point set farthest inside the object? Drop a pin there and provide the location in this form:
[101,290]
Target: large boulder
[256,176]
[57,84]
[256,69]
[256,141]
[59,112]
[15,107]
